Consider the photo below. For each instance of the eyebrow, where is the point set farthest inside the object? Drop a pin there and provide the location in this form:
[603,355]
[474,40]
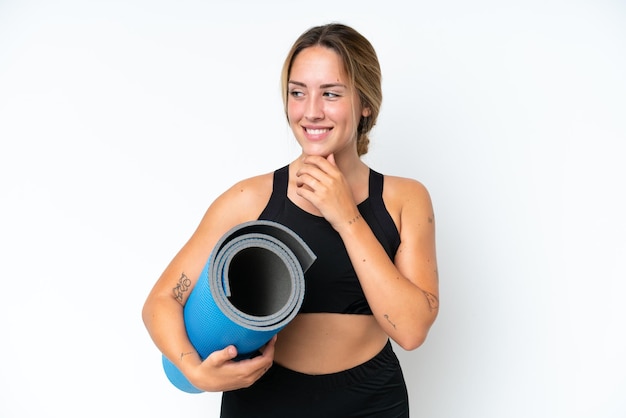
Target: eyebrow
[324,86]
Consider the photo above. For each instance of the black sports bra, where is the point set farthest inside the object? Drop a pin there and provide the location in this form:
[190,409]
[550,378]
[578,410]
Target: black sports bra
[331,284]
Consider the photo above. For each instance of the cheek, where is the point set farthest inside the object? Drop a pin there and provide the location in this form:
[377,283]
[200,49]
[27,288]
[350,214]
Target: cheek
[294,112]
[340,115]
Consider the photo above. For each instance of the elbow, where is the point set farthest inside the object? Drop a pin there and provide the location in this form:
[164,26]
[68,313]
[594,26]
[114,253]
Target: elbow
[411,342]
[148,311]
[146,314]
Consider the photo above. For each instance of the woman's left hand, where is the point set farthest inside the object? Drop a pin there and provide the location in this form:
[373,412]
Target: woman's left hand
[320,181]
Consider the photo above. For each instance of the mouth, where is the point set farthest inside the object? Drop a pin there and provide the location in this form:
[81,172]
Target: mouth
[316,133]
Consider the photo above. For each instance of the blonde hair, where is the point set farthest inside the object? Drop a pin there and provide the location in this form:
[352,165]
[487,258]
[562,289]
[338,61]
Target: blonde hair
[360,63]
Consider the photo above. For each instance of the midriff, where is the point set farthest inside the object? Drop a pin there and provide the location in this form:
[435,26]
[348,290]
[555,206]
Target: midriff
[321,343]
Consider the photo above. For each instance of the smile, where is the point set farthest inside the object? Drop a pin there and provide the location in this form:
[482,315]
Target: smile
[316,131]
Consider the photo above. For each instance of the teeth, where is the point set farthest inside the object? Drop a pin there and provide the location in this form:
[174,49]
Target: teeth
[316,131]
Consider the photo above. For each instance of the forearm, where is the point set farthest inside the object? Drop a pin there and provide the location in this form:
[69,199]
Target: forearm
[163,318]
[218,372]
[403,309]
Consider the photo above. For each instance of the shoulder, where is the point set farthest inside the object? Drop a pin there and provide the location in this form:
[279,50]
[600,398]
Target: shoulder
[403,190]
[407,199]
[247,198]
[242,202]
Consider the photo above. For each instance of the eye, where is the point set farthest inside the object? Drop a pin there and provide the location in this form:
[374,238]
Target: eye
[332,95]
[296,93]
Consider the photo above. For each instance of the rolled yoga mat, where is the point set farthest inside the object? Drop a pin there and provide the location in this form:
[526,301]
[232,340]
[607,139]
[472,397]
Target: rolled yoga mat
[250,288]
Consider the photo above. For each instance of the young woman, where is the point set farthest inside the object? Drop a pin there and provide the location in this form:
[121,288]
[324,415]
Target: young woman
[375,277]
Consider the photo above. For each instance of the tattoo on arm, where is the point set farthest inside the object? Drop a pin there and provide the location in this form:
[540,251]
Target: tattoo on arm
[433,301]
[182,286]
[185,354]
[389,320]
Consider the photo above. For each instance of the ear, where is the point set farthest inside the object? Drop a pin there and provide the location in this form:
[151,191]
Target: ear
[366,111]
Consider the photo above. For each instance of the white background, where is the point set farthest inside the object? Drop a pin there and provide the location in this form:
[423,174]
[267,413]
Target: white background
[120,121]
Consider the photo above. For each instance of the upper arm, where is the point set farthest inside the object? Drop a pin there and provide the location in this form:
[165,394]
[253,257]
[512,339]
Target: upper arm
[241,203]
[416,256]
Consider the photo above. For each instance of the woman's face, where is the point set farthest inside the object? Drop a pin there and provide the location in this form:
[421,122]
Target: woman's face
[322,105]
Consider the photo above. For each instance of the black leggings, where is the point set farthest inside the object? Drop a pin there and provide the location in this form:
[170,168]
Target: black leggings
[375,388]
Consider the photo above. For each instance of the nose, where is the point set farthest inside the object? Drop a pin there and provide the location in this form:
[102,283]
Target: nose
[314,109]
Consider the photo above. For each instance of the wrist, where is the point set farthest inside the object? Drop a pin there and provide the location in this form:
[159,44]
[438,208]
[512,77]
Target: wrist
[350,225]
[187,361]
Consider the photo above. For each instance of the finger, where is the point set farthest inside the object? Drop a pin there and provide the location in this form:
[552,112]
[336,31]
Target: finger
[264,370]
[223,356]
[267,352]
[306,181]
[268,349]
[321,168]
[318,162]
[331,159]
[308,169]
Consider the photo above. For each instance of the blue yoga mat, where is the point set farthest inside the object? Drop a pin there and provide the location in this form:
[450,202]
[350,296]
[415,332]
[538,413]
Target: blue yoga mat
[250,288]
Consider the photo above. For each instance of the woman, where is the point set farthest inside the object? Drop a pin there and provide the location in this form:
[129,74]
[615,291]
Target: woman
[375,277]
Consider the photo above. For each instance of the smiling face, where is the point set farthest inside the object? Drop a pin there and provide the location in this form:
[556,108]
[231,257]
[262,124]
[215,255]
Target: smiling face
[322,105]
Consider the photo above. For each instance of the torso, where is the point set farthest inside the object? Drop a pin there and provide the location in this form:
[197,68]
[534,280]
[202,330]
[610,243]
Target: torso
[320,343]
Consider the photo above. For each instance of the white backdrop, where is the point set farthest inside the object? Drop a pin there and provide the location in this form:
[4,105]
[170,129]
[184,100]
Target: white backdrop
[120,121]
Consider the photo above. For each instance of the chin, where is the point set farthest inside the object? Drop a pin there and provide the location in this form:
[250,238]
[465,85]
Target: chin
[320,154]
[316,151]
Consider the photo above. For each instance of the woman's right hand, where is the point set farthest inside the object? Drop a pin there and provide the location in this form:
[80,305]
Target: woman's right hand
[219,372]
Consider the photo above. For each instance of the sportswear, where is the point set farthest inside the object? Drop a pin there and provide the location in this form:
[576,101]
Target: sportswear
[374,389]
[331,284]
